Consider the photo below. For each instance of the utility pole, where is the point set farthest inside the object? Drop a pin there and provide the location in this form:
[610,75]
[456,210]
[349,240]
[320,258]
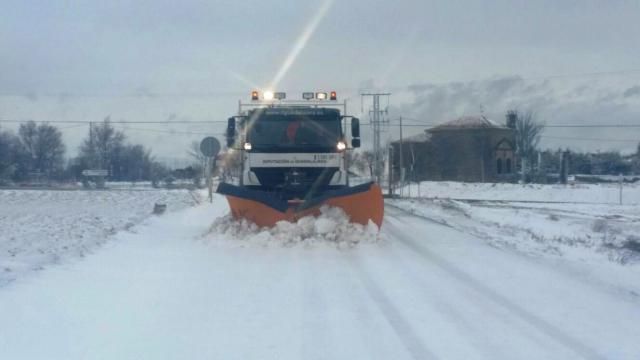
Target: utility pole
[91,147]
[620,179]
[540,166]
[402,171]
[376,124]
[390,174]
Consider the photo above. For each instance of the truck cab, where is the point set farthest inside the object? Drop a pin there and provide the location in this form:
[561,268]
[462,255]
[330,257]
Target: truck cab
[293,151]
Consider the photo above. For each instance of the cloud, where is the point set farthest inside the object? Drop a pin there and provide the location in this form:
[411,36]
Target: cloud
[632,91]
[441,102]
[32,96]
[579,101]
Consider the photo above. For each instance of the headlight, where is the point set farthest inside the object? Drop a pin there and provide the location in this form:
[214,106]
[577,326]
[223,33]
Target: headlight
[341,145]
[267,95]
[247,146]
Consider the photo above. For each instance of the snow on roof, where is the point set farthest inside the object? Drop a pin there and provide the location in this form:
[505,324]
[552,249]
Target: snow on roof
[422,137]
[467,122]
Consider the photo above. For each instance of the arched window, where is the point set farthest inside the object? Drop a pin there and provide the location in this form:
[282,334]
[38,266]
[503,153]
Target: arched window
[508,167]
[499,165]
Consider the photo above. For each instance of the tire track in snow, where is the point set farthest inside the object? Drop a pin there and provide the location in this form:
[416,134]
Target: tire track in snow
[407,335]
[616,292]
[480,339]
[362,310]
[486,308]
[314,342]
[552,331]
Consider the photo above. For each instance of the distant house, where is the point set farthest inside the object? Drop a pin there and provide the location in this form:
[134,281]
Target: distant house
[470,148]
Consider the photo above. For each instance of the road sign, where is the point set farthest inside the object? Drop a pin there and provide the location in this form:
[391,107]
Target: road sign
[96,172]
[210,146]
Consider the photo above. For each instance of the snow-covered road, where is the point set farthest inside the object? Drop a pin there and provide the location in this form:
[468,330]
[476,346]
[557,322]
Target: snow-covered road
[165,291]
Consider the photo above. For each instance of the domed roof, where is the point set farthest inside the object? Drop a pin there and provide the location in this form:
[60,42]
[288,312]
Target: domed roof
[467,122]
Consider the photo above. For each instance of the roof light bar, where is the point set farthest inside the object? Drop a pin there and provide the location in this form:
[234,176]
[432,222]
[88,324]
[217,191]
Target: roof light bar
[270,96]
[267,95]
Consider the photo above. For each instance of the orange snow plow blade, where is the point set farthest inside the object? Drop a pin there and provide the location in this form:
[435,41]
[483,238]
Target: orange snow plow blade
[361,203]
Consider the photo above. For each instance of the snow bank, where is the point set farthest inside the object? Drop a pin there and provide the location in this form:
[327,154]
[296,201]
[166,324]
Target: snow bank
[331,227]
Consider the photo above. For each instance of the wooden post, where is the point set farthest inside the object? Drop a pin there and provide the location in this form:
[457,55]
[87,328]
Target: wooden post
[210,177]
[390,162]
[620,181]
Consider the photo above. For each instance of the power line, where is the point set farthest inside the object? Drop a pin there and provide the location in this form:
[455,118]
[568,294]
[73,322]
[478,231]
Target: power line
[426,124]
[182,122]
[589,139]
[595,126]
[118,122]
[600,126]
[177,132]
[71,127]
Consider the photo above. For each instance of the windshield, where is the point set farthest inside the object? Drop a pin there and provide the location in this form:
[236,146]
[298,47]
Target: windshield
[294,131]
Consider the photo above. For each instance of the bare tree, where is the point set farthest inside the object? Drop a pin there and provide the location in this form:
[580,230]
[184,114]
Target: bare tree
[636,160]
[528,131]
[9,154]
[412,164]
[103,146]
[43,147]
[194,152]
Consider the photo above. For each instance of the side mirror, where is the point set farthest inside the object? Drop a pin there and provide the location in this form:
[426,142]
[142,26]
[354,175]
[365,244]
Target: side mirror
[355,127]
[355,143]
[231,132]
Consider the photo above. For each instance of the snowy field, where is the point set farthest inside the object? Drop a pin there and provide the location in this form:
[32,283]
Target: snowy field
[582,193]
[43,227]
[579,222]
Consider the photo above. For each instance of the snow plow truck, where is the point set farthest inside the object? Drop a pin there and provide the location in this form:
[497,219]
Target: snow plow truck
[294,160]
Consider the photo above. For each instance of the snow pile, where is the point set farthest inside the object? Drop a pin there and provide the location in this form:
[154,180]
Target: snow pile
[332,226]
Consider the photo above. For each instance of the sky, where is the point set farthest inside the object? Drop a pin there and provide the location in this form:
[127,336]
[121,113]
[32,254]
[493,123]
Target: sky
[570,62]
